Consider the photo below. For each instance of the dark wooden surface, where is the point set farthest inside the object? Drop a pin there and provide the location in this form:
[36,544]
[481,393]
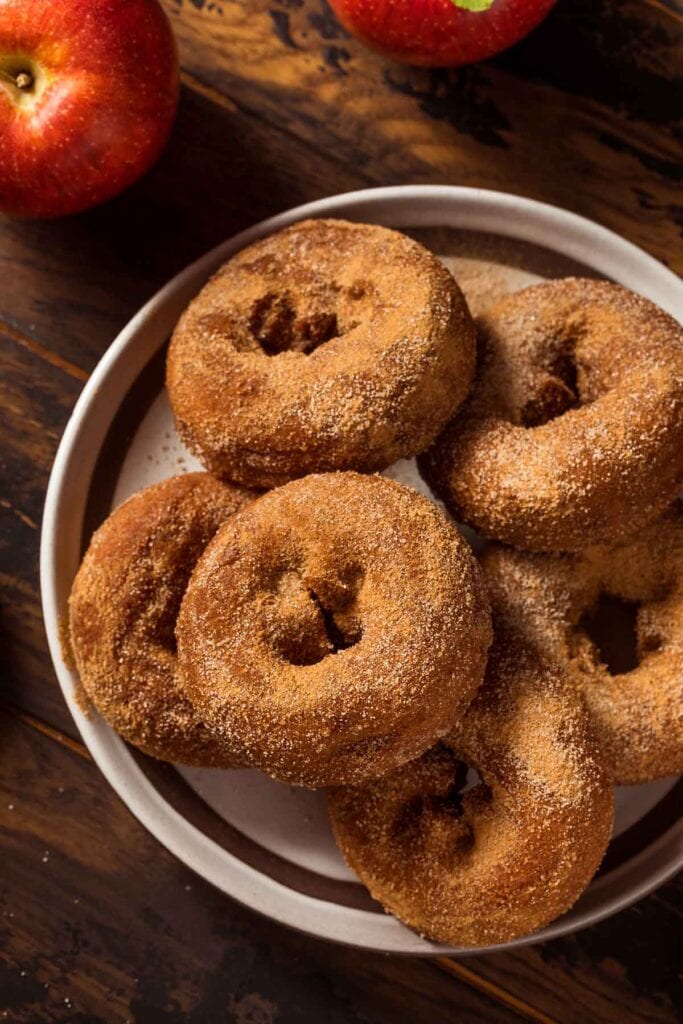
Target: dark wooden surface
[279,106]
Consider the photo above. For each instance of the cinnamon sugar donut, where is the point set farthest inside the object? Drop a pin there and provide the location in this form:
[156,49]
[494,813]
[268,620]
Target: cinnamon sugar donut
[574,431]
[333,629]
[326,346]
[123,608]
[638,710]
[507,856]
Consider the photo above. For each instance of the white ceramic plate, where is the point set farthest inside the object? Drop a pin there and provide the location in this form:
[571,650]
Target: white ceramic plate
[267,845]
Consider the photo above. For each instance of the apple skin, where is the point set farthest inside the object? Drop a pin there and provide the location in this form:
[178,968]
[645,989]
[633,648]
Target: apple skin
[436,33]
[102,97]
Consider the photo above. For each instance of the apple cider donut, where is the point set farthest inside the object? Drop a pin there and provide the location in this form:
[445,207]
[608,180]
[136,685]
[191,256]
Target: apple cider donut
[334,628]
[555,600]
[326,346]
[507,856]
[123,608]
[574,431]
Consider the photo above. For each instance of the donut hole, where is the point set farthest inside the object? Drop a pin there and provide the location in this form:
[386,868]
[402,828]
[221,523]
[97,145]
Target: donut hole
[343,631]
[611,626]
[447,804]
[277,325]
[556,394]
[310,610]
[315,631]
[428,806]
[451,804]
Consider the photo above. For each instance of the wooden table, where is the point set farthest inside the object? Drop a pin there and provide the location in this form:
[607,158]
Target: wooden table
[279,106]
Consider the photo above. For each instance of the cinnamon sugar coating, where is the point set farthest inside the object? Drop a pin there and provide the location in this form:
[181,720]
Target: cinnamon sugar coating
[334,629]
[573,434]
[638,713]
[507,856]
[123,608]
[327,346]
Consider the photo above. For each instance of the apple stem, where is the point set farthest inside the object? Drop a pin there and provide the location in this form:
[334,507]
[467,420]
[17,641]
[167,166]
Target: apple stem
[23,80]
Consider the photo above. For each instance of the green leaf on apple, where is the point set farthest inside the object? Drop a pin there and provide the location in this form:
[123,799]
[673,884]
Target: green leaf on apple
[473,5]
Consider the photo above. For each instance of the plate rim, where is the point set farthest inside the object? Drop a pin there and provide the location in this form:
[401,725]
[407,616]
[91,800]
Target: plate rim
[477,209]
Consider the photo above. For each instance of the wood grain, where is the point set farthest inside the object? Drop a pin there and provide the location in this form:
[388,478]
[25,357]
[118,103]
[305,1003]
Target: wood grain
[36,398]
[626,969]
[280,106]
[105,925]
[69,882]
[76,282]
[581,114]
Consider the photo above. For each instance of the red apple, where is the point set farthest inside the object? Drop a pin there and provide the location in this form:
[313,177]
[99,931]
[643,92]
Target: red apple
[439,33]
[88,93]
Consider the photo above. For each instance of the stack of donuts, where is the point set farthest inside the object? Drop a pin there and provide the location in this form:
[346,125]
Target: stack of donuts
[292,610]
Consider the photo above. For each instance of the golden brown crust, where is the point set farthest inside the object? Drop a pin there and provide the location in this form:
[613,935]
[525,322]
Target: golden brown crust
[606,465]
[327,346]
[638,714]
[507,856]
[334,629]
[123,607]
